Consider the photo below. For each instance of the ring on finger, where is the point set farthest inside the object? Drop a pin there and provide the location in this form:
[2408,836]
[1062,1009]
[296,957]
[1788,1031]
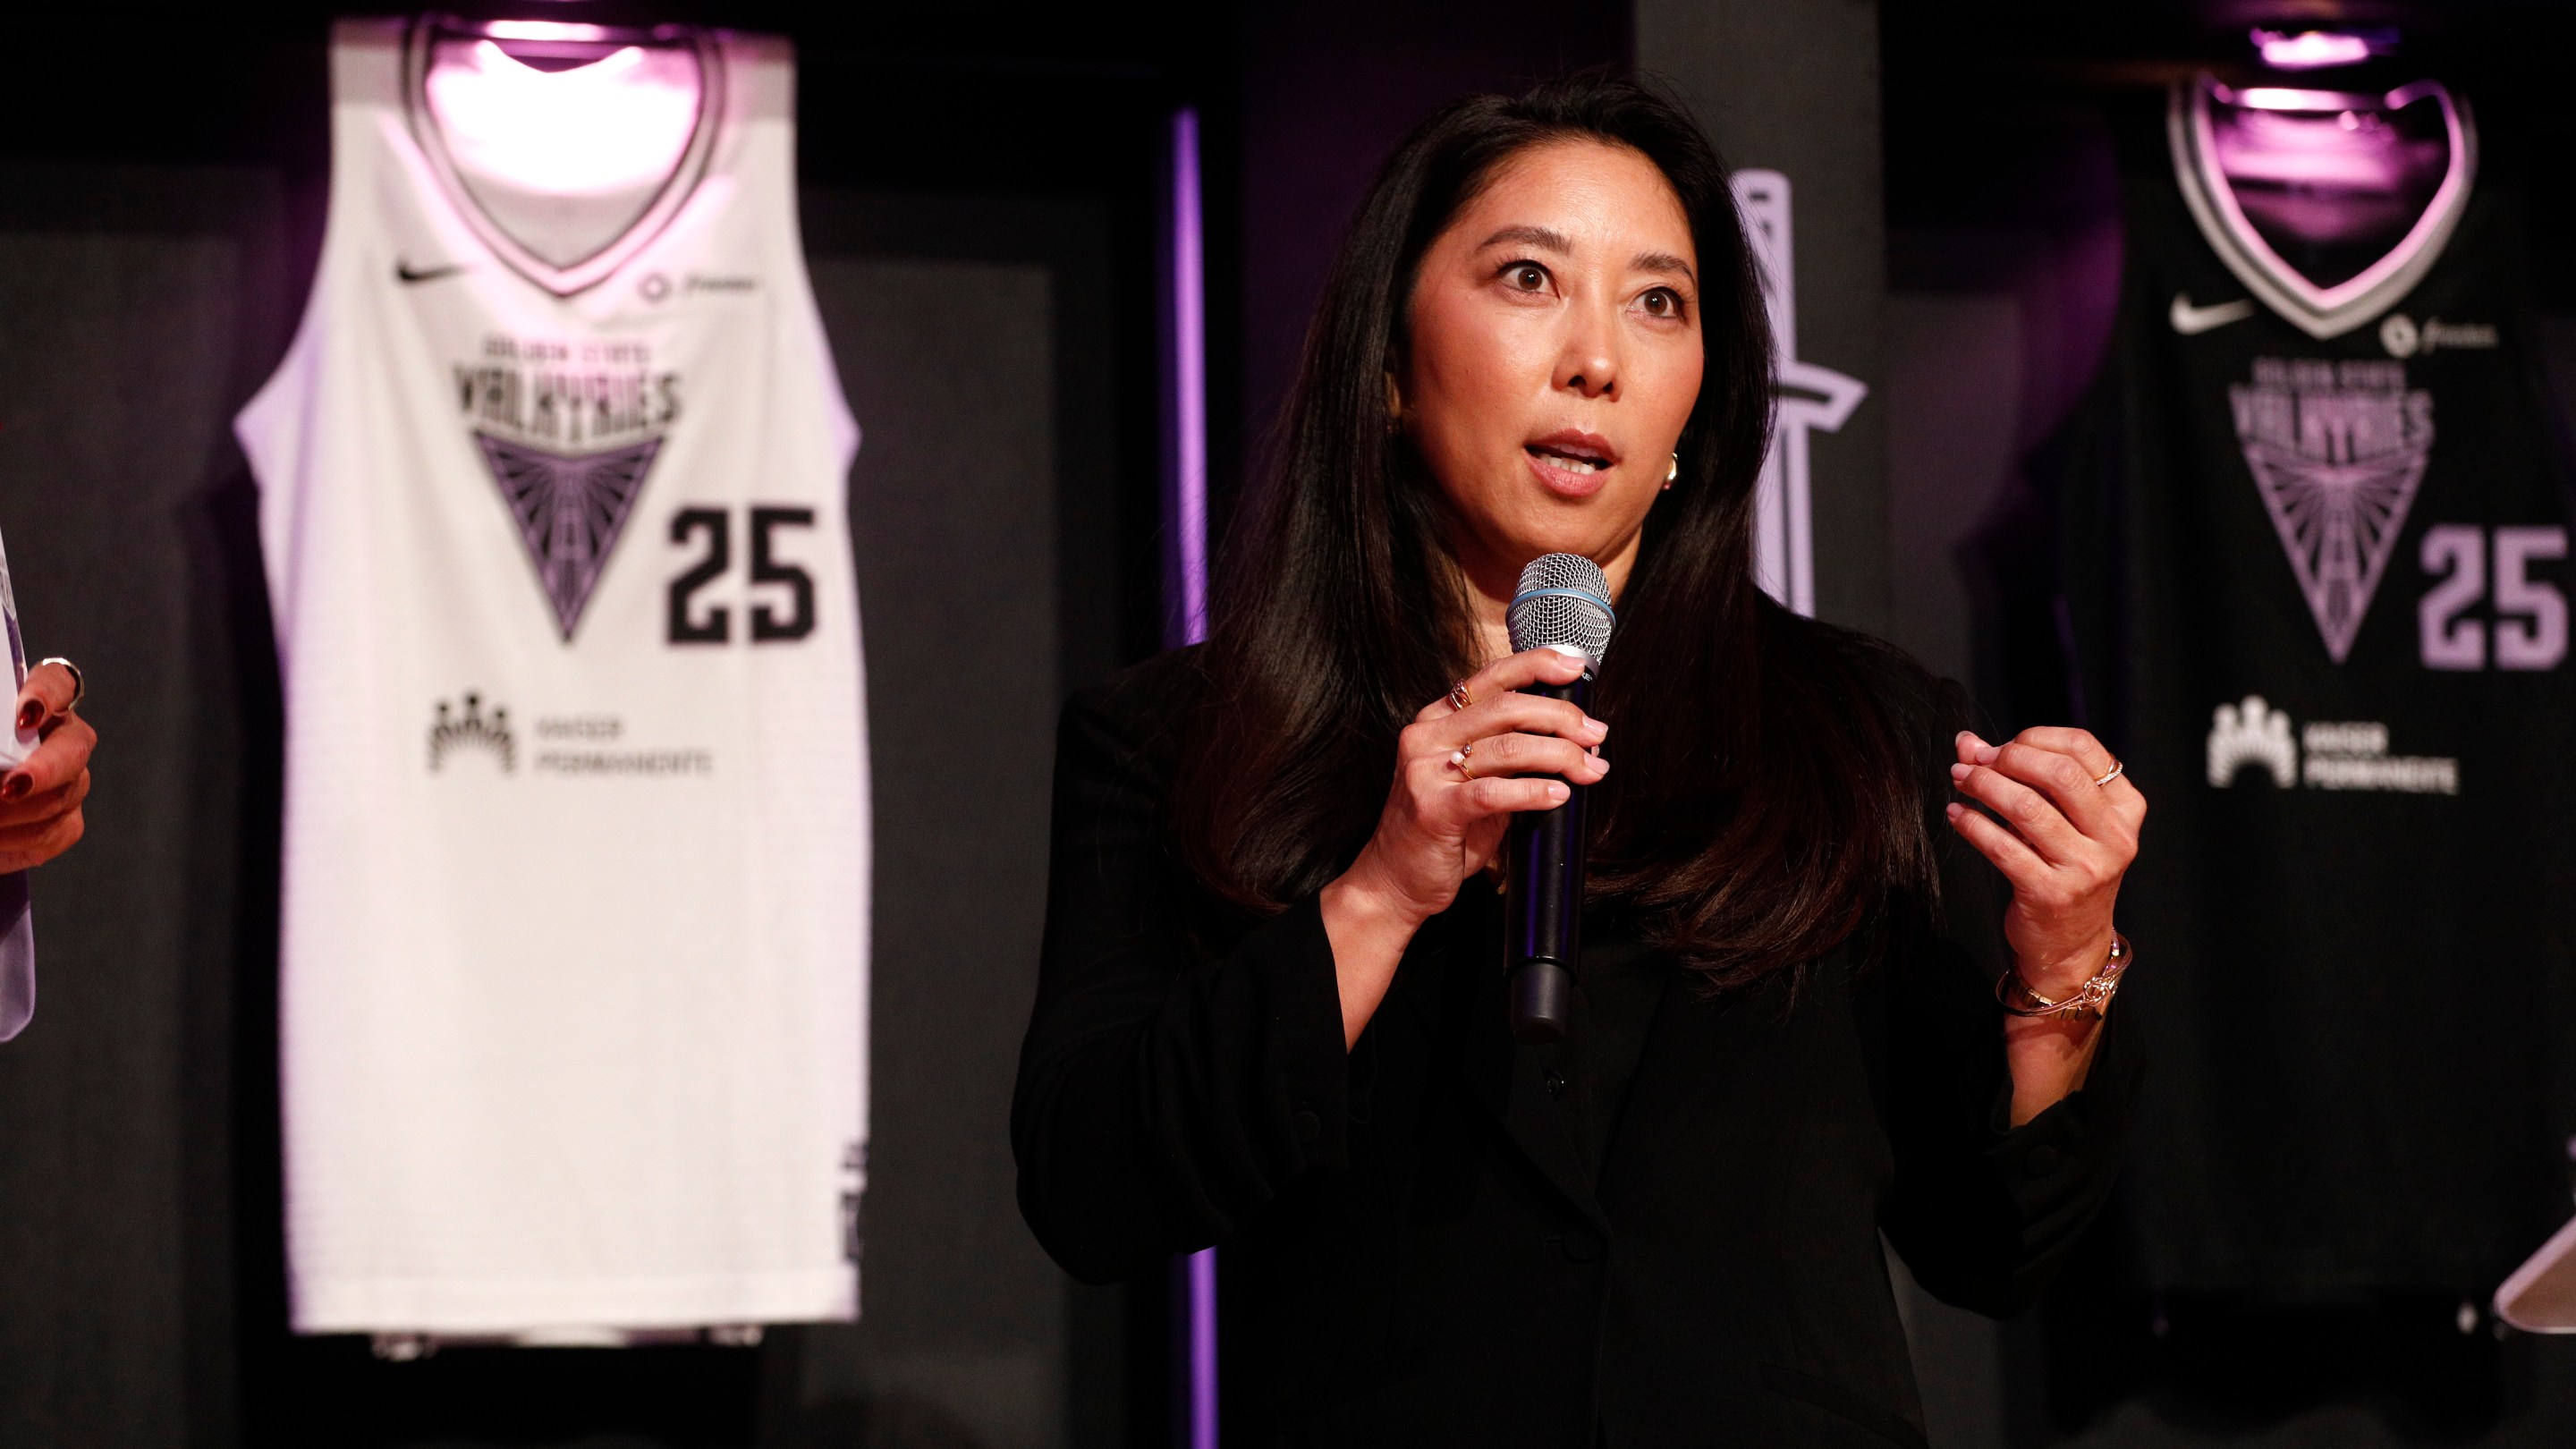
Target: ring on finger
[80,683]
[1458,761]
[1458,699]
[2116,768]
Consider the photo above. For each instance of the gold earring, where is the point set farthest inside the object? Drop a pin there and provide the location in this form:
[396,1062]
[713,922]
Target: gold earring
[1673,472]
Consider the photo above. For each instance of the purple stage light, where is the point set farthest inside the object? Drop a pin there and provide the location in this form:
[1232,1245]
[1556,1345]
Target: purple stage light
[1203,1349]
[1185,405]
[1185,593]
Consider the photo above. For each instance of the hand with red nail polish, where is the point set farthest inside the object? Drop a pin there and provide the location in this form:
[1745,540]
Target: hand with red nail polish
[41,799]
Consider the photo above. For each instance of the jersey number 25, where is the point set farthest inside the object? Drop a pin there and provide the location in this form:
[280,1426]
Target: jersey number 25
[688,623]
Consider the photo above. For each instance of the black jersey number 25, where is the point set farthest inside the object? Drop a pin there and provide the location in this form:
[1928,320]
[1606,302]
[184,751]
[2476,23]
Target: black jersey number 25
[690,622]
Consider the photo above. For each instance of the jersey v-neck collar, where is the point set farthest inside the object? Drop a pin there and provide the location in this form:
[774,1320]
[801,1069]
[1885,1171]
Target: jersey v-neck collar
[2321,312]
[589,271]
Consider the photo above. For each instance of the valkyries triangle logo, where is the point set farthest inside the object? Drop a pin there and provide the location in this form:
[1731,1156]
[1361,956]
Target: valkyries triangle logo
[2337,450]
[568,428]
[570,511]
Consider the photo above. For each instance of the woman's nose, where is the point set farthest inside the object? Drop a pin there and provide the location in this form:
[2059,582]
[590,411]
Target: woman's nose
[1588,365]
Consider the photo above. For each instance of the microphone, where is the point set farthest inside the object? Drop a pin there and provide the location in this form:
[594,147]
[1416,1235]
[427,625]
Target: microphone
[1564,604]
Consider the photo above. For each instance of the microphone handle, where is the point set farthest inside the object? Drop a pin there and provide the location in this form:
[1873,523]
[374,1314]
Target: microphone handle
[1543,903]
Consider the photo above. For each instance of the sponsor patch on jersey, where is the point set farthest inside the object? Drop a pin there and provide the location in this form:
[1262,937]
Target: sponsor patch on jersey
[2404,337]
[580,745]
[2337,450]
[466,727]
[570,511]
[2252,736]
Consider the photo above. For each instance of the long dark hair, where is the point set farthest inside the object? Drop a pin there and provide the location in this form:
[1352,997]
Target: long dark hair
[1763,804]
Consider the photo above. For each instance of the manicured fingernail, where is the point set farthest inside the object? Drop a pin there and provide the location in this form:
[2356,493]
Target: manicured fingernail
[1986,754]
[31,714]
[1559,791]
[1600,731]
[1604,764]
[15,787]
[1954,810]
[1958,772]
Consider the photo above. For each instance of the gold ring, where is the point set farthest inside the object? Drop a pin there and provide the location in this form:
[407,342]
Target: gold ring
[1458,761]
[1458,699]
[2116,768]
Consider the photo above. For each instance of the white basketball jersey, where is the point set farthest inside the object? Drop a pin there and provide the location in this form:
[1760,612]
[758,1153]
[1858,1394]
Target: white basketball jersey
[576,861]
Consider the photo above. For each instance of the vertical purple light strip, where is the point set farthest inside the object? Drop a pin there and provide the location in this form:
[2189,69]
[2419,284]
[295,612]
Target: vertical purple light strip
[1203,1349]
[1185,579]
[1186,523]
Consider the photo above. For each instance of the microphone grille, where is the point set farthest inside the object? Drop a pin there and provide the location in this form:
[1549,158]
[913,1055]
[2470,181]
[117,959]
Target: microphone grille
[1563,603]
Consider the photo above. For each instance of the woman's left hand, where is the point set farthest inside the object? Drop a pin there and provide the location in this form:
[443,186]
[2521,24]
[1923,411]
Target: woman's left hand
[2063,840]
[40,801]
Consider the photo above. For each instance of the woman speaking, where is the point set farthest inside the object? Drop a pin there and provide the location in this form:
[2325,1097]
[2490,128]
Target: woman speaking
[1271,1013]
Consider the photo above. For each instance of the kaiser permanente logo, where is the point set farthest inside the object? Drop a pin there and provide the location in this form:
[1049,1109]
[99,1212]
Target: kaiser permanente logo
[2338,755]
[591,745]
[453,730]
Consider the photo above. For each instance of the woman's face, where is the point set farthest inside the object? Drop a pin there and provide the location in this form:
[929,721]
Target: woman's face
[1551,358]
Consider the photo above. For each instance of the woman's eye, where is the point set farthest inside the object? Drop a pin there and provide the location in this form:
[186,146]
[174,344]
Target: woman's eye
[1661,302]
[1528,277]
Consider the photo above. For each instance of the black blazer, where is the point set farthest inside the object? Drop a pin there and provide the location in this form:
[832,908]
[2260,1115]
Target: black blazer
[1416,1248]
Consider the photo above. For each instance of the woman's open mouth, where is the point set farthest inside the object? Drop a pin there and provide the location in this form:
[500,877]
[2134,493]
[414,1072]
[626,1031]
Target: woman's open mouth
[1571,463]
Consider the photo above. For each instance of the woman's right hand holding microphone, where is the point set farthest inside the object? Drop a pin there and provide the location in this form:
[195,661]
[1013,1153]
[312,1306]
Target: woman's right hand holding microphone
[1460,771]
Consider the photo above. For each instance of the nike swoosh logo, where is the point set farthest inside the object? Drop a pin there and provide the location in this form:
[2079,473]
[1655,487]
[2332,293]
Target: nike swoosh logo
[2190,320]
[404,273]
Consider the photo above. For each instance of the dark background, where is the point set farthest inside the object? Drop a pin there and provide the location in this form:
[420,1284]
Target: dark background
[981,203]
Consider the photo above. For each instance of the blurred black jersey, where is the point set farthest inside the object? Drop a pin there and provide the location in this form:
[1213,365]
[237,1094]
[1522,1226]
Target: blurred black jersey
[2310,580]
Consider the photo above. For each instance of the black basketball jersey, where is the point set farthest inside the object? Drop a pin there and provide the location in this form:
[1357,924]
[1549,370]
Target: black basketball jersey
[2312,567]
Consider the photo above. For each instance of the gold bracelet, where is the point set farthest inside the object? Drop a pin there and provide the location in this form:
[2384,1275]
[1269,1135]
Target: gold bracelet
[2090,999]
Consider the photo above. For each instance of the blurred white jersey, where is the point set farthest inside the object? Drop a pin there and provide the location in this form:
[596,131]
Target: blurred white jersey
[576,869]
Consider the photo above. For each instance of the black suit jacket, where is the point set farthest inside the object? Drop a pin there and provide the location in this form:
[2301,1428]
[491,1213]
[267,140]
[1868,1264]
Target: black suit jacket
[1418,1251]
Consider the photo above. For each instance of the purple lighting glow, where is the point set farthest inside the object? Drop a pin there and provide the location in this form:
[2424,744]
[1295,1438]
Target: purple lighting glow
[2284,98]
[1185,593]
[619,123]
[543,30]
[2316,49]
[1185,408]
[1203,1349]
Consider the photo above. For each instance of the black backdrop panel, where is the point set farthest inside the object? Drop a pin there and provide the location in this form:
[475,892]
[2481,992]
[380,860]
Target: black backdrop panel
[947,365]
[136,304]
